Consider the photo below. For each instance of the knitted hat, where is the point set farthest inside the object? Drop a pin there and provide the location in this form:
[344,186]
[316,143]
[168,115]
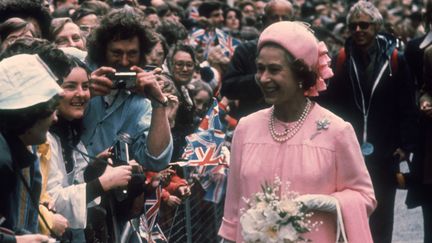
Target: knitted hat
[297,39]
[25,80]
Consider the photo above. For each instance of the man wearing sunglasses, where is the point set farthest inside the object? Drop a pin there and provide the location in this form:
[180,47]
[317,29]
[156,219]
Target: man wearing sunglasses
[373,90]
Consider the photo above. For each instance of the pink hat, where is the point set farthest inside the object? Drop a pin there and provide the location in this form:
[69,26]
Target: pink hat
[299,41]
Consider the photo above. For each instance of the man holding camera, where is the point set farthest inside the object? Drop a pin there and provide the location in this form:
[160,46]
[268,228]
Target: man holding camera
[119,44]
[126,101]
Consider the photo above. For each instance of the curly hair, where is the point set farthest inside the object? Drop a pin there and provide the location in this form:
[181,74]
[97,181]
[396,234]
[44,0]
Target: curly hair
[26,9]
[119,24]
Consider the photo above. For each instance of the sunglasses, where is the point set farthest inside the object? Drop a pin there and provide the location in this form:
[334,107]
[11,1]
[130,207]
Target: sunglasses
[362,25]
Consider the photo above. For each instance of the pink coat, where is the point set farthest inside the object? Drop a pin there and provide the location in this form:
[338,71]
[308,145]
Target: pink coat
[326,161]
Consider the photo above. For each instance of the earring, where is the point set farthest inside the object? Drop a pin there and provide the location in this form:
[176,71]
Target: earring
[301,85]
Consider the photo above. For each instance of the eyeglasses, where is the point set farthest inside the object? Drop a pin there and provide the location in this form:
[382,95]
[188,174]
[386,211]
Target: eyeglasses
[362,25]
[181,65]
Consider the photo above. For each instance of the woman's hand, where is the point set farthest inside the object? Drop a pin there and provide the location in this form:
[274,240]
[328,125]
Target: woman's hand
[320,202]
[114,177]
[105,154]
[60,224]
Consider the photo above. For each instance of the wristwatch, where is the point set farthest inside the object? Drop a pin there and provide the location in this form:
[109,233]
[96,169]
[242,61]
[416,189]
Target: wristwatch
[157,103]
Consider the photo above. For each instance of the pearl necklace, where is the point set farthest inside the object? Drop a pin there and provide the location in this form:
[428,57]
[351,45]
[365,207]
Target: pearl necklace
[288,133]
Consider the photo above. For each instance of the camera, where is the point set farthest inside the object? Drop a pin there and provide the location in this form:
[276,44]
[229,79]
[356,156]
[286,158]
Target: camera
[120,152]
[123,80]
[149,68]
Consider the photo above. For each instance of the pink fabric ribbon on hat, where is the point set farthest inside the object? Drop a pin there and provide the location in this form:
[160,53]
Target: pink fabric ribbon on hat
[323,71]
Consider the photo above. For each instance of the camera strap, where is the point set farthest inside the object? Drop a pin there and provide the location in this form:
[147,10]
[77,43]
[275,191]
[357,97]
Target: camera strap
[33,201]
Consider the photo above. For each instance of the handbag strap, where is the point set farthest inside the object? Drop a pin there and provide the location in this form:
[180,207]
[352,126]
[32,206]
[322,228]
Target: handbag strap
[341,235]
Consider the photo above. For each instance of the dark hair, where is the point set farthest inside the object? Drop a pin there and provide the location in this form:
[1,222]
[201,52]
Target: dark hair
[172,31]
[99,7]
[238,14]
[26,9]
[64,11]
[300,70]
[81,13]
[18,121]
[160,38]
[206,8]
[165,8]
[177,48]
[12,25]
[428,14]
[119,24]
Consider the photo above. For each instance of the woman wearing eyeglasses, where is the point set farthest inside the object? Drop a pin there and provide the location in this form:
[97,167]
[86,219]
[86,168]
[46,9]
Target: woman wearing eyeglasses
[374,91]
[182,64]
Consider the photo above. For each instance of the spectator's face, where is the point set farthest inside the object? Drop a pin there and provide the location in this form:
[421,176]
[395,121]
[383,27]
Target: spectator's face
[232,22]
[70,36]
[15,35]
[259,6]
[88,23]
[278,12]
[216,18]
[38,132]
[248,11]
[362,29]
[123,53]
[76,94]
[183,68]
[156,56]
[173,16]
[201,99]
[153,20]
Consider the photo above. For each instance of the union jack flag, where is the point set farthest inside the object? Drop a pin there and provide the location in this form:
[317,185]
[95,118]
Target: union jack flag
[207,39]
[203,153]
[149,229]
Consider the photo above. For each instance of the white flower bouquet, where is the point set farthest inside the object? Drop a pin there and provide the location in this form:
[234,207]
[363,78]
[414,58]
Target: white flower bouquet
[275,219]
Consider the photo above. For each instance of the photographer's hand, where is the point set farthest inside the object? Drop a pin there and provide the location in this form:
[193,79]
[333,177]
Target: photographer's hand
[147,84]
[33,238]
[100,85]
[114,177]
[60,224]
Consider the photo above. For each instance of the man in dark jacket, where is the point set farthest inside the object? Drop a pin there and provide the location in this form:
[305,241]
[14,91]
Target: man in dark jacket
[28,102]
[372,89]
[239,82]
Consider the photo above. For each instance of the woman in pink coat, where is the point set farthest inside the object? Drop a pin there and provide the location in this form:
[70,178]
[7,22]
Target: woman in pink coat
[299,141]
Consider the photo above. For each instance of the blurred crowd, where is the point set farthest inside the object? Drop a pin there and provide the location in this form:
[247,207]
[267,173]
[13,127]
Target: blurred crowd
[187,59]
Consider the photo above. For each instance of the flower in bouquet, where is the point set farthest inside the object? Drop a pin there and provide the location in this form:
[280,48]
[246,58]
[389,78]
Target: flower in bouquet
[273,218]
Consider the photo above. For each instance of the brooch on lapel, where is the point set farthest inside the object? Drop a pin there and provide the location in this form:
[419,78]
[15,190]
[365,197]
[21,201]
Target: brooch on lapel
[321,125]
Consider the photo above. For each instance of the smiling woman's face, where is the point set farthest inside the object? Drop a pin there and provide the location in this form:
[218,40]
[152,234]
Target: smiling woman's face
[183,67]
[76,95]
[275,77]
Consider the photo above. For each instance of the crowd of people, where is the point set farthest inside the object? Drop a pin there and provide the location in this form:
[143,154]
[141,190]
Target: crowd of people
[102,102]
